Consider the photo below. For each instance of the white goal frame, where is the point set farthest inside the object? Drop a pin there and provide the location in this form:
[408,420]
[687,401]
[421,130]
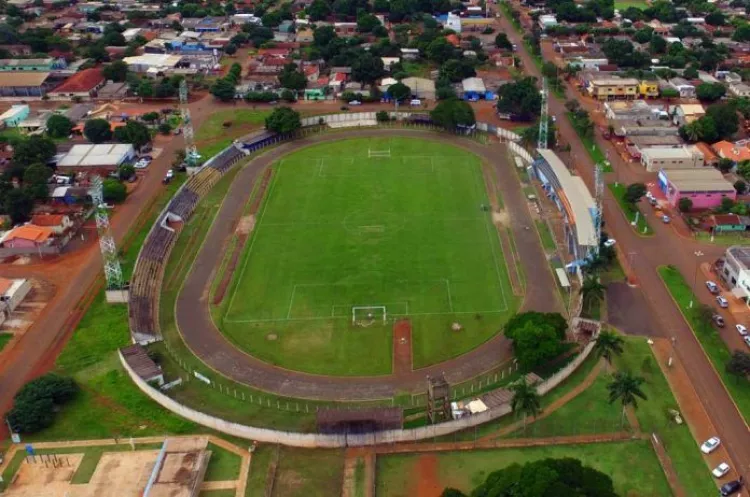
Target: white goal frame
[368,307]
[378,153]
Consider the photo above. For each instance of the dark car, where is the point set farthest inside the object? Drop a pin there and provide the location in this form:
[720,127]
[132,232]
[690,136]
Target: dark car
[730,488]
[718,320]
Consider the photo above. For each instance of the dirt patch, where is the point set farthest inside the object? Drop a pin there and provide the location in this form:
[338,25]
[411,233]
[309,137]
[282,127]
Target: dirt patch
[427,483]
[501,218]
[402,363]
[244,227]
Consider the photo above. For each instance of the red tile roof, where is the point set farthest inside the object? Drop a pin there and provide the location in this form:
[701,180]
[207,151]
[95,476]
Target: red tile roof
[85,80]
[47,219]
[30,232]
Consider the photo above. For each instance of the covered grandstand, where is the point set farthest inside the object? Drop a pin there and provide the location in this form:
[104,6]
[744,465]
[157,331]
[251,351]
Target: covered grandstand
[572,198]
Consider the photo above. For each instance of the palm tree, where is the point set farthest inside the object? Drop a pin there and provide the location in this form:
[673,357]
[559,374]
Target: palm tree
[627,388]
[592,289]
[526,400]
[692,131]
[608,344]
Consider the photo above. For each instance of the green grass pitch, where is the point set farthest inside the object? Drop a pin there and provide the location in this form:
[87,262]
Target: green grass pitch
[339,229]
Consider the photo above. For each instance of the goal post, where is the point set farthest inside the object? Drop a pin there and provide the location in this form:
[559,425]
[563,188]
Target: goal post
[367,315]
[378,153]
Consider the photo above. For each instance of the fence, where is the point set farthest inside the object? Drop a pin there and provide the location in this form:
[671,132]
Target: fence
[312,440]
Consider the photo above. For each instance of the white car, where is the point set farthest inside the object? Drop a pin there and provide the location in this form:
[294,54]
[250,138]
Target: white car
[610,242]
[741,329]
[747,340]
[723,303]
[355,103]
[720,470]
[712,287]
[141,164]
[710,445]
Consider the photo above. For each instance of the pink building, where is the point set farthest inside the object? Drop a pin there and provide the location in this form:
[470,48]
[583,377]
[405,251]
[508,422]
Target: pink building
[27,236]
[705,187]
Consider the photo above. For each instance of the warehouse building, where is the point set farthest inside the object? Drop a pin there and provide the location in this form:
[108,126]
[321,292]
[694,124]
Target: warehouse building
[23,84]
[82,85]
[705,187]
[102,158]
[152,63]
[665,157]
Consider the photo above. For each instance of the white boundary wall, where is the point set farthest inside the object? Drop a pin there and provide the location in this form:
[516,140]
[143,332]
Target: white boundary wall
[321,440]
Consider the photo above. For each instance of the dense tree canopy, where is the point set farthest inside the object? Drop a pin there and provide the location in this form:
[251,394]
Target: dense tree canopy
[537,337]
[97,130]
[283,120]
[223,89]
[453,113]
[35,404]
[116,71]
[59,126]
[520,99]
[291,78]
[34,149]
[133,132]
[566,477]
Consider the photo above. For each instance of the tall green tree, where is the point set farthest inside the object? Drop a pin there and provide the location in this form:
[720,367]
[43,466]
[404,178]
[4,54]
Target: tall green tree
[116,71]
[291,78]
[453,113]
[97,130]
[34,149]
[399,91]
[283,120]
[59,126]
[608,344]
[35,181]
[526,400]
[133,132]
[627,389]
[520,99]
[223,89]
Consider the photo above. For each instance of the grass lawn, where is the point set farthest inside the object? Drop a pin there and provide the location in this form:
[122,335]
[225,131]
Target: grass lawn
[4,339]
[240,118]
[223,465]
[589,143]
[359,478]
[723,239]
[338,230]
[642,226]
[624,4]
[259,465]
[716,349]
[589,412]
[548,241]
[632,465]
[312,473]
[652,417]
[227,492]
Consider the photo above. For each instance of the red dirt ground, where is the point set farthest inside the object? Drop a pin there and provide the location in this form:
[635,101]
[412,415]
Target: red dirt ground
[427,482]
[402,347]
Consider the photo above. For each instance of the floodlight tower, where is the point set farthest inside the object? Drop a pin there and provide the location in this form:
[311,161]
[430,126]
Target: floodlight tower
[112,269]
[191,152]
[599,199]
[543,118]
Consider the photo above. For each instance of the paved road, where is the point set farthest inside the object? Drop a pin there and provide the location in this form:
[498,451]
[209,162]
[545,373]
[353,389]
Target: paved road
[665,247]
[194,320]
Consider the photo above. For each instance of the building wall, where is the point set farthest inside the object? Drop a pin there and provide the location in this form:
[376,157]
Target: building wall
[20,243]
[22,91]
[653,164]
[701,200]
[14,300]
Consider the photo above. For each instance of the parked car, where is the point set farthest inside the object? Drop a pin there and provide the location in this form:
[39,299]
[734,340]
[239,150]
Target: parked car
[712,287]
[146,157]
[653,201]
[666,219]
[355,103]
[610,242]
[415,102]
[747,340]
[720,470]
[718,320]
[731,487]
[710,445]
[741,329]
[170,174]
[142,164]
[723,303]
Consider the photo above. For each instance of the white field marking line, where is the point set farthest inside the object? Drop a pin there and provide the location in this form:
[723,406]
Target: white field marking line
[258,225]
[291,301]
[405,219]
[450,299]
[319,318]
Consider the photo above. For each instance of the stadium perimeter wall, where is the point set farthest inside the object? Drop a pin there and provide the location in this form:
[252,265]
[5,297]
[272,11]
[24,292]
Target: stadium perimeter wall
[317,440]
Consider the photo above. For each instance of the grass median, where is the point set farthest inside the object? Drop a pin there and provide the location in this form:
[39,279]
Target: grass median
[715,348]
[631,211]
[589,144]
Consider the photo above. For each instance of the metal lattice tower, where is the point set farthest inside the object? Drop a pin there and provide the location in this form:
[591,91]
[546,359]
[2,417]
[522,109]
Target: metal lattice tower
[599,198]
[112,269]
[191,152]
[543,118]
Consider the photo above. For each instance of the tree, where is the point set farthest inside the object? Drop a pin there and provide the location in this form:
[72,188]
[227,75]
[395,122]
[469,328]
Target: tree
[125,172]
[291,78]
[740,186]
[502,42]
[35,181]
[288,95]
[18,204]
[670,93]
[367,68]
[114,191]
[223,89]
[452,492]
[626,387]
[565,477]
[34,149]
[367,22]
[608,344]
[35,404]
[135,133]
[145,89]
[526,400]
[283,120]
[634,192]
[572,106]
[150,117]
[592,289]
[715,18]
[520,99]
[710,92]
[685,204]
[455,70]
[725,118]
[318,10]
[691,132]
[453,113]
[59,126]
[116,71]
[399,91]
[440,50]
[739,365]
[230,49]
[97,130]
[725,165]
[534,344]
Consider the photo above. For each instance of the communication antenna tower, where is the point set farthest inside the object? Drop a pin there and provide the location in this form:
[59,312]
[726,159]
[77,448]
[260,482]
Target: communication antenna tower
[112,269]
[599,198]
[543,118]
[191,153]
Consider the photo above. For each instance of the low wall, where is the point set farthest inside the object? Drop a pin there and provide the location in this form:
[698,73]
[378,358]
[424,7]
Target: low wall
[311,440]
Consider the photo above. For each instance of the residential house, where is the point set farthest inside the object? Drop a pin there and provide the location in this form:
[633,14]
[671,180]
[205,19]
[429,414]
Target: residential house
[648,89]
[312,72]
[32,65]
[686,113]
[206,24]
[17,50]
[82,85]
[304,35]
[613,87]
[420,87]
[24,84]
[683,87]
[473,89]
[12,117]
[739,89]
[636,110]
[453,22]
[659,158]
[27,236]
[736,270]
[737,152]
[410,53]
[547,21]
[727,223]
[709,156]
[58,223]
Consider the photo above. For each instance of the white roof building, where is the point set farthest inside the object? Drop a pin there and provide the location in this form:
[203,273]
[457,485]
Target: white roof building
[105,155]
[160,62]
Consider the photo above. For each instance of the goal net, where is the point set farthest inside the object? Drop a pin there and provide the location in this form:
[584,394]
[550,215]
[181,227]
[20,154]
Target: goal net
[365,316]
[378,153]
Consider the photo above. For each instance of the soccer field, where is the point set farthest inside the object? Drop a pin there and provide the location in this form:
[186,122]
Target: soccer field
[344,243]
